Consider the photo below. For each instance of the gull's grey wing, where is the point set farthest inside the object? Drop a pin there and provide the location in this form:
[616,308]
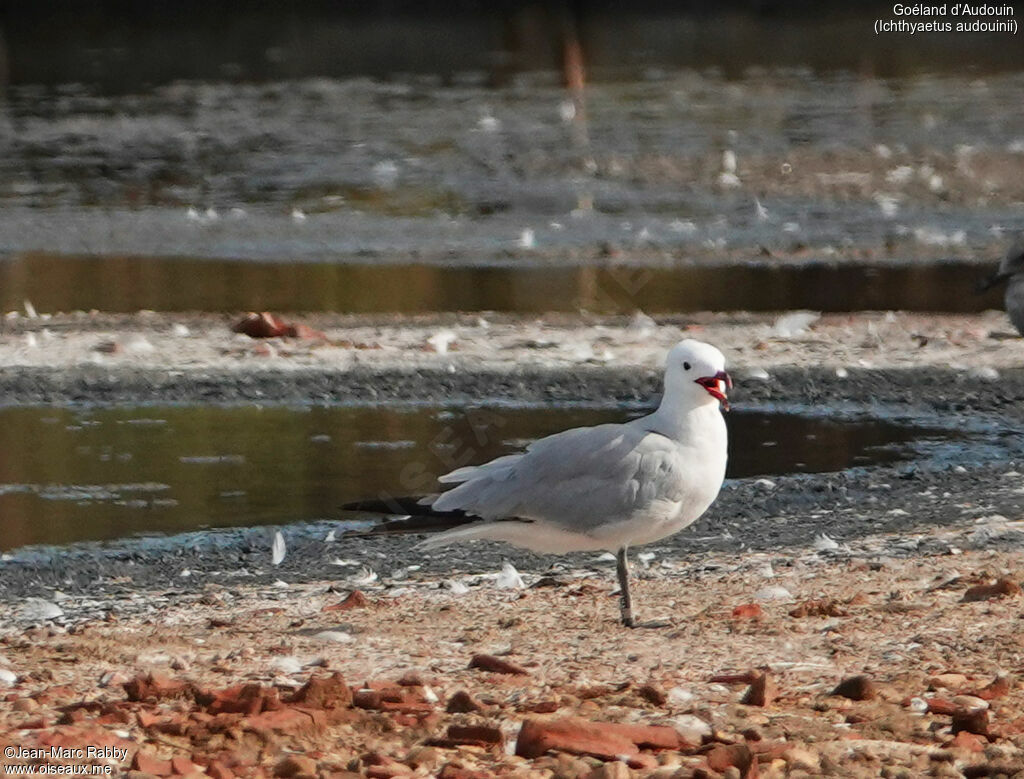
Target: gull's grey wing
[576,479]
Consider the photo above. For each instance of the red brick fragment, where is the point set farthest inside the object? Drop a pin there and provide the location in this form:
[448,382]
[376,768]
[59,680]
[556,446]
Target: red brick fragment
[154,686]
[997,688]
[289,721]
[219,770]
[324,692]
[354,600]
[148,764]
[748,611]
[496,665]
[479,735]
[1001,588]
[856,688]
[367,699]
[305,332]
[605,740]
[941,706]
[267,325]
[968,742]
[725,756]
[577,736]
[241,699]
[263,325]
[182,766]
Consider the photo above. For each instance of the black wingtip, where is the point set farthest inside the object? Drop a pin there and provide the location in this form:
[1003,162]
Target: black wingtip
[410,505]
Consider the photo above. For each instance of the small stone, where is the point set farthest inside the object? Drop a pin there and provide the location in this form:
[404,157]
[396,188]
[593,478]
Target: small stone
[463,703]
[40,610]
[818,607]
[429,758]
[972,721]
[496,665]
[970,703]
[761,691]
[691,728]
[295,766]
[948,681]
[25,705]
[653,694]
[112,679]
[801,759]
[856,688]
[613,770]
[726,756]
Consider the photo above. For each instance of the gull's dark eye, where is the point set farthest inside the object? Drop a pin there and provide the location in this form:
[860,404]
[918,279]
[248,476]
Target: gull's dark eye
[686,366]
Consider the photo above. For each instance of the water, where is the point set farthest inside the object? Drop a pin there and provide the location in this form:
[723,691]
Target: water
[127,284]
[101,473]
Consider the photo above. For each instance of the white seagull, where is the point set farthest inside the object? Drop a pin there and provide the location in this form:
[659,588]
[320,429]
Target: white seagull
[607,487]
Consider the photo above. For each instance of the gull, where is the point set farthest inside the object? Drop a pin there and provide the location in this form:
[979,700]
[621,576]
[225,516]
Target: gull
[1011,269]
[607,487]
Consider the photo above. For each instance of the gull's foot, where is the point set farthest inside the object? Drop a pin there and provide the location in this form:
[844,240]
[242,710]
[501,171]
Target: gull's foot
[650,624]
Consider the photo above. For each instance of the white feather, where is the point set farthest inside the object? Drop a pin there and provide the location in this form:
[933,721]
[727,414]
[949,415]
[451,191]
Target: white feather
[278,549]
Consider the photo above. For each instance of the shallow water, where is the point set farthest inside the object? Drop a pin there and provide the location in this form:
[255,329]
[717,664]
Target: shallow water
[672,160]
[127,284]
[75,474]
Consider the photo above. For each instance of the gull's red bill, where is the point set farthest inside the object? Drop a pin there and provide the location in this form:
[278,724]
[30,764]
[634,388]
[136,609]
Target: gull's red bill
[716,386]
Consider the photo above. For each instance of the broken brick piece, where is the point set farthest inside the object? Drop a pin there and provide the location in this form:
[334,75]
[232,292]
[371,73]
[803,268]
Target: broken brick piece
[324,692]
[1001,588]
[496,665]
[856,688]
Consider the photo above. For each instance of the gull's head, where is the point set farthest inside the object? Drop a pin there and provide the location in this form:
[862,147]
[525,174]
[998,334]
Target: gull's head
[696,371]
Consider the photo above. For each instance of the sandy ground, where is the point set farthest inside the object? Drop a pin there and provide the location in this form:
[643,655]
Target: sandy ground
[771,604]
[752,342]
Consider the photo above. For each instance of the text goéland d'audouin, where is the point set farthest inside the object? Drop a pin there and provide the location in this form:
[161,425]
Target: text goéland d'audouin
[950,17]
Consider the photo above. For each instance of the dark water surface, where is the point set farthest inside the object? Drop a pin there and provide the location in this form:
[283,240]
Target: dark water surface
[127,284]
[74,474]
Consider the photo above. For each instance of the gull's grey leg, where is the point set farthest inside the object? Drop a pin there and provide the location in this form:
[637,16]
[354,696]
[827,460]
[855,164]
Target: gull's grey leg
[625,599]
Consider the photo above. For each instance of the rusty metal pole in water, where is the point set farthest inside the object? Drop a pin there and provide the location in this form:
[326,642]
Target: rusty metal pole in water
[574,74]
